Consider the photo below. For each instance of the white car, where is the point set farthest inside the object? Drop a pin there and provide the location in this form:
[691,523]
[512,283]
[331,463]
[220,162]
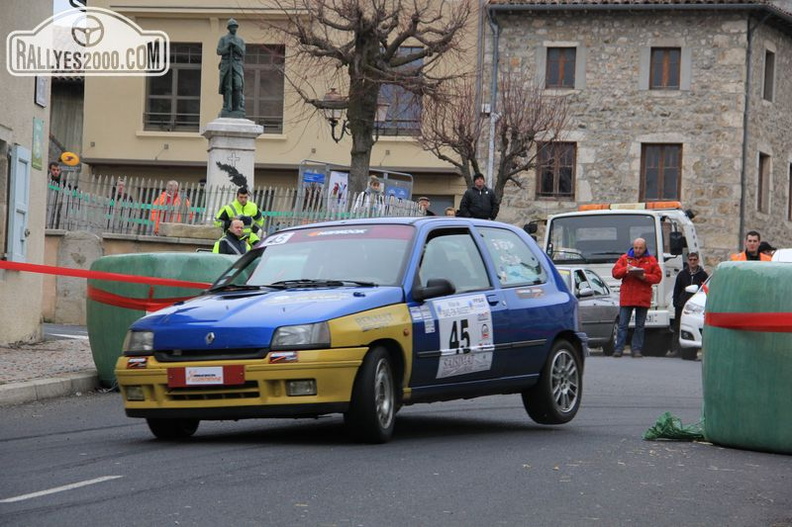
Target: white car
[691,323]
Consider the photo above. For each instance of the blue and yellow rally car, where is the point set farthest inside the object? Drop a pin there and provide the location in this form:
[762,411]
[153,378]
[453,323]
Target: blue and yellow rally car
[361,317]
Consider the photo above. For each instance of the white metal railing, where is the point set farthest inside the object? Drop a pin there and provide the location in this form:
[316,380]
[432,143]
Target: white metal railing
[108,204]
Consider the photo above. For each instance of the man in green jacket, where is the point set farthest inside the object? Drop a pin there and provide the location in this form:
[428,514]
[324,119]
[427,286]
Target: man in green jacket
[245,210]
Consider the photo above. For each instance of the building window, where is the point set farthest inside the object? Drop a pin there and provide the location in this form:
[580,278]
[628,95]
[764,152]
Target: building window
[560,71]
[769,76]
[264,86]
[661,172]
[404,110]
[763,188]
[556,170]
[664,69]
[173,100]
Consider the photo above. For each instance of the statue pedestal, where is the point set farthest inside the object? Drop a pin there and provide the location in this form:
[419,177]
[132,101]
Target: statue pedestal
[231,142]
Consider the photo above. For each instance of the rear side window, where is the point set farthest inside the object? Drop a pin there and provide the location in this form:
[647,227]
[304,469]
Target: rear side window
[515,262]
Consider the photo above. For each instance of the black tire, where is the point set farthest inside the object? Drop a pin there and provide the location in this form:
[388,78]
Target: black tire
[609,347]
[688,353]
[657,343]
[173,428]
[372,410]
[555,399]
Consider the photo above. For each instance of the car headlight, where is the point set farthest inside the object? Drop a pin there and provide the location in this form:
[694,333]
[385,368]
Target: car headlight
[138,343]
[693,309]
[302,336]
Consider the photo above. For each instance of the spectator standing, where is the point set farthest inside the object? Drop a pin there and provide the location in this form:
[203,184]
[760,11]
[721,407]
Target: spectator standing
[371,202]
[692,274]
[751,252]
[637,270]
[450,211]
[424,203]
[55,173]
[168,206]
[244,209]
[234,241]
[479,201]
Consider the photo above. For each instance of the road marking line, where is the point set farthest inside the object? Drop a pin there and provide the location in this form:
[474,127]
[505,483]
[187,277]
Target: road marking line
[59,489]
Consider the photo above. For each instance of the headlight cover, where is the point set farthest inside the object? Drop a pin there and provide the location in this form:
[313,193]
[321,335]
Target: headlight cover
[138,343]
[301,336]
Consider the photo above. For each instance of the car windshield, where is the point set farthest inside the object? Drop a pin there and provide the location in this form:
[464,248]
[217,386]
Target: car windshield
[366,255]
[598,238]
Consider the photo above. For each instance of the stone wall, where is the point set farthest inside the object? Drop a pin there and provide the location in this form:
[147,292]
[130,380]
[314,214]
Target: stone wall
[613,113]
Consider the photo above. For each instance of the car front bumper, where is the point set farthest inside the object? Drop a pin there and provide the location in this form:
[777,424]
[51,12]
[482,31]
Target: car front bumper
[239,389]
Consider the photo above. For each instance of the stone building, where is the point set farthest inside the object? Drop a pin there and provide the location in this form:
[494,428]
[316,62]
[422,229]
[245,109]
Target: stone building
[688,100]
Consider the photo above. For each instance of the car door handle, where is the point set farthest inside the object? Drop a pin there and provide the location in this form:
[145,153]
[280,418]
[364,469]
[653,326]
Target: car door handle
[493,300]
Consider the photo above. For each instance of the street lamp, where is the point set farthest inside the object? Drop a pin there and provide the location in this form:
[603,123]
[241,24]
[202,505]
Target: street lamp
[333,108]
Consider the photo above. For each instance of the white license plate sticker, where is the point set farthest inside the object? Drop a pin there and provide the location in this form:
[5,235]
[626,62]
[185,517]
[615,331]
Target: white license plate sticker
[202,376]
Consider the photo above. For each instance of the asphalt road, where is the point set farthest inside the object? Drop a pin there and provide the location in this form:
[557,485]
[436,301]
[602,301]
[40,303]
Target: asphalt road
[470,463]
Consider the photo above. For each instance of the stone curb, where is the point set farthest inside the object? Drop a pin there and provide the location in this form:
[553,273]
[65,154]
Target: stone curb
[59,386]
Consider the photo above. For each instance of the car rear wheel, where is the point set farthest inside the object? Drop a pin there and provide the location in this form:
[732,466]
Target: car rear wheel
[689,353]
[173,428]
[372,410]
[555,399]
[657,342]
[610,346]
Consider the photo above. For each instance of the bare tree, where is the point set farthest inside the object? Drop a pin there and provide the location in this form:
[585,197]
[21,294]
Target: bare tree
[367,44]
[528,121]
[451,127]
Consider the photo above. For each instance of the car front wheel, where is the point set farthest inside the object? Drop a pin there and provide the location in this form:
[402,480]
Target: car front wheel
[555,399]
[372,410]
[172,428]
[609,347]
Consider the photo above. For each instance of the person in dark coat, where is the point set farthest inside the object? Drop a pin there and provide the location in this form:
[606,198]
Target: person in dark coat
[234,241]
[479,201]
[692,274]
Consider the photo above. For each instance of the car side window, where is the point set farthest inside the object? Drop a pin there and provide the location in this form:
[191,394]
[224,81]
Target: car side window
[597,284]
[515,262]
[455,257]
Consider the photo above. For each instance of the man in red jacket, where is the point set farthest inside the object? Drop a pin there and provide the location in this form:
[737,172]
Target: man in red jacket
[638,270]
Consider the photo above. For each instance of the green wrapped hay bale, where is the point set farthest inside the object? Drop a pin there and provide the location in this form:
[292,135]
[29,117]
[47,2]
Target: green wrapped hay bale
[747,368]
[113,305]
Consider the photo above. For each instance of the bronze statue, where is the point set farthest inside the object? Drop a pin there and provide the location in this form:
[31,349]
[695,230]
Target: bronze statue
[231,49]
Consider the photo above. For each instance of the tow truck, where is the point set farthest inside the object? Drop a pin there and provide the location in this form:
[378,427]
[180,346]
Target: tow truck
[596,235]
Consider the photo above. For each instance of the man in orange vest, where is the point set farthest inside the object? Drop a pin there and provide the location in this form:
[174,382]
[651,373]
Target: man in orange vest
[168,206]
[751,252]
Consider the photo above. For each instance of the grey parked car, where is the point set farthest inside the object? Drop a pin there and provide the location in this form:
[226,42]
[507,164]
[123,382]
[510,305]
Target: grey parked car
[599,306]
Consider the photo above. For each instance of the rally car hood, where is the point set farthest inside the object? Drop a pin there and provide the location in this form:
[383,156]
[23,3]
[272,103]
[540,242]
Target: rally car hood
[248,319]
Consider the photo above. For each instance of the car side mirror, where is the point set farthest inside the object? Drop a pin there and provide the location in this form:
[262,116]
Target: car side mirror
[676,242]
[585,292]
[693,289]
[531,228]
[434,287]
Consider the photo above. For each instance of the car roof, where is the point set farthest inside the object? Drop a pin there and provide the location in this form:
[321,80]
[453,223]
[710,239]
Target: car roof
[417,221]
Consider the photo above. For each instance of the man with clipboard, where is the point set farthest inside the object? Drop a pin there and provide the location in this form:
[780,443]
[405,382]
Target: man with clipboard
[638,270]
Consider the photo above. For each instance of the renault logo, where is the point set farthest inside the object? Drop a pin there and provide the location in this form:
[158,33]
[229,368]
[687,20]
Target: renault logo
[209,338]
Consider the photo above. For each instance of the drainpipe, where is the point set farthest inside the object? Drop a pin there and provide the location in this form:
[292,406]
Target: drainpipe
[496,29]
[744,169]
